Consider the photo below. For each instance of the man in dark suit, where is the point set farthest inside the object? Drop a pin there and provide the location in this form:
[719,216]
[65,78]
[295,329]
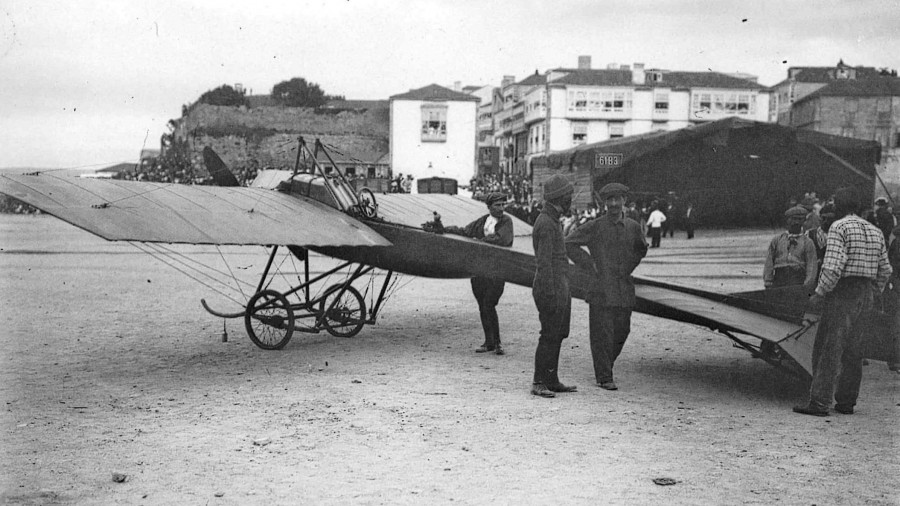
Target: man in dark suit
[616,247]
[550,288]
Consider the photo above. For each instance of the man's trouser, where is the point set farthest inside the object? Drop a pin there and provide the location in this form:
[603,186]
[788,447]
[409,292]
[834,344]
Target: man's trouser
[554,328]
[836,352]
[609,329]
[487,293]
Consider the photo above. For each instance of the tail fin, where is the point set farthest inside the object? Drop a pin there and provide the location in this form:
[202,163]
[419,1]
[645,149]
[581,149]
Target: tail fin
[217,169]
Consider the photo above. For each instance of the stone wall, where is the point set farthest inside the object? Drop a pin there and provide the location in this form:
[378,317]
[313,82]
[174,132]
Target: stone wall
[267,136]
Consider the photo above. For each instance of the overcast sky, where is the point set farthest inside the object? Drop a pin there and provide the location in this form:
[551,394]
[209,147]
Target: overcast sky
[88,83]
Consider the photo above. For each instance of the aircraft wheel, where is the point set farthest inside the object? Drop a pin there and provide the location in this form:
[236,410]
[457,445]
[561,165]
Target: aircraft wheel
[269,320]
[367,203]
[348,315]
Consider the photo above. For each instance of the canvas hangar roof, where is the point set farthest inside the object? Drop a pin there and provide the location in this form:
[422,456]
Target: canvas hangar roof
[736,172]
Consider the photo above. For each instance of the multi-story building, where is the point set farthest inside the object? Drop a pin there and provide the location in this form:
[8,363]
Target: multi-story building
[432,133]
[487,154]
[863,108]
[801,81]
[564,108]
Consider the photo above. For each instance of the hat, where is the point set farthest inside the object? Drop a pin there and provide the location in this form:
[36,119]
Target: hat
[846,200]
[881,201]
[612,190]
[494,197]
[557,186]
[809,202]
[795,212]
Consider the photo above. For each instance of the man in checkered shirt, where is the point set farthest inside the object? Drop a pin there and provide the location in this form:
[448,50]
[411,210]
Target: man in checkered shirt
[855,270]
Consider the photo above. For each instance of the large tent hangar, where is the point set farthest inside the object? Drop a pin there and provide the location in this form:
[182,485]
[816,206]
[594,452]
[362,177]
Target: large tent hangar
[735,172]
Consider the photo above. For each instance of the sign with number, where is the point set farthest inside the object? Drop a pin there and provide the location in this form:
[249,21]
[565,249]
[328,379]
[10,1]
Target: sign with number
[608,160]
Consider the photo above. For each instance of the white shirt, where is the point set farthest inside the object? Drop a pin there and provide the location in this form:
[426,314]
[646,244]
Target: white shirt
[489,225]
[656,219]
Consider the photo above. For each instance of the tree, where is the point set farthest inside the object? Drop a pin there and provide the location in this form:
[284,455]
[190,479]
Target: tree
[299,93]
[224,95]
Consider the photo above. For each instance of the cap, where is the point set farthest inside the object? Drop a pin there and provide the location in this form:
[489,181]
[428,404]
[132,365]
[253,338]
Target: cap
[881,201]
[796,211]
[557,186]
[611,190]
[494,197]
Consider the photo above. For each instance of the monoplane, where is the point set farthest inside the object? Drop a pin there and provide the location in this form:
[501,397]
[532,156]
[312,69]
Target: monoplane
[315,208]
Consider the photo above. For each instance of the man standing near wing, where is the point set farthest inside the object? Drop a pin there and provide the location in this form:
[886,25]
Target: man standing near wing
[854,272]
[493,228]
[550,289]
[617,246]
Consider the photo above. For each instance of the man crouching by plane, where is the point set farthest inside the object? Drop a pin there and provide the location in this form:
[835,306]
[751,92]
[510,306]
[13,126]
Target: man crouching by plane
[550,289]
[493,228]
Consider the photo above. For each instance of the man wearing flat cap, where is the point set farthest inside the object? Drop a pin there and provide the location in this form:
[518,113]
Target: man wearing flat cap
[550,288]
[791,258]
[493,228]
[616,247]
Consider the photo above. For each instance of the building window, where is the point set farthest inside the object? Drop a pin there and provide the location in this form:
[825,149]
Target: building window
[616,101]
[616,130]
[434,123]
[579,133]
[723,104]
[661,103]
[595,101]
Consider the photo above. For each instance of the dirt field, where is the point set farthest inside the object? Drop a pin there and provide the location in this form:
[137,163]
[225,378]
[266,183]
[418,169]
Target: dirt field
[110,365]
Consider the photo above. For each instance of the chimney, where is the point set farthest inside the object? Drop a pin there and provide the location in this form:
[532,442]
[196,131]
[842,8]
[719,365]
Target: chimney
[584,62]
[624,67]
[637,74]
[457,85]
[612,66]
[507,80]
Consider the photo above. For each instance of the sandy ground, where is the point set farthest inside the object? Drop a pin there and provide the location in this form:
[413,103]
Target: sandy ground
[110,365]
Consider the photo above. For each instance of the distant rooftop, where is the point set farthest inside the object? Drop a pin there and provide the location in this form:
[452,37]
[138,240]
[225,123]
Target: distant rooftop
[883,86]
[435,92]
[670,79]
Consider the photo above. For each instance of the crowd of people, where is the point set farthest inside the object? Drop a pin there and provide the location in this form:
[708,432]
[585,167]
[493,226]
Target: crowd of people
[156,173]
[517,188]
[848,260]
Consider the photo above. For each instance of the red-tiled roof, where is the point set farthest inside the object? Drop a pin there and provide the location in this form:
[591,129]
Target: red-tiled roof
[533,80]
[706,80]
[618,77]
[436,93]
[826,74]
[884,86]
[596,77]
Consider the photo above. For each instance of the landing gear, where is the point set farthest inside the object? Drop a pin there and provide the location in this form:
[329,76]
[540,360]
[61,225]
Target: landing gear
[343,312]
[269,320]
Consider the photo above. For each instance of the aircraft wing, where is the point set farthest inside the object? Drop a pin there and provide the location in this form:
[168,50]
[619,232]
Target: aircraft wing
[174,213]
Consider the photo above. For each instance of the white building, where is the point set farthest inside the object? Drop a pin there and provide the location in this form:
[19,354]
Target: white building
[433,133]
[564,108]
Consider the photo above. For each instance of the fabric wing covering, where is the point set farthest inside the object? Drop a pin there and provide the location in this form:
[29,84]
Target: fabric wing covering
[174,213]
